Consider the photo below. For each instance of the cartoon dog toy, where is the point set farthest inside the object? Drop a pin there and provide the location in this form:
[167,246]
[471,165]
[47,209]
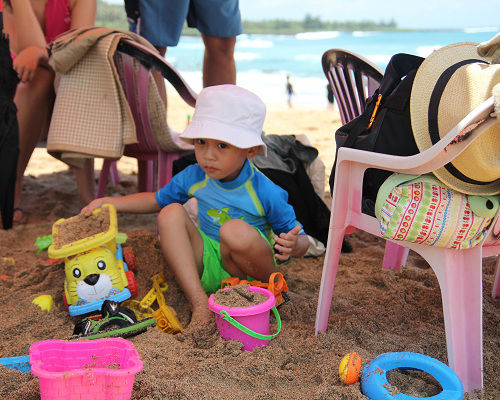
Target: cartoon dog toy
[94,266]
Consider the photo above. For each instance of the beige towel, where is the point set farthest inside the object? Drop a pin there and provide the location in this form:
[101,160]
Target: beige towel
[91,117]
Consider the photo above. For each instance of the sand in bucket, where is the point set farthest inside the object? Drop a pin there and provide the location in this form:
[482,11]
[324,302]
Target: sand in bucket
[248,325]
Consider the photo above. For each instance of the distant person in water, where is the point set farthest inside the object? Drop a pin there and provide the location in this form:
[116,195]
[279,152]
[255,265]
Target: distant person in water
[329,96]
[289,91]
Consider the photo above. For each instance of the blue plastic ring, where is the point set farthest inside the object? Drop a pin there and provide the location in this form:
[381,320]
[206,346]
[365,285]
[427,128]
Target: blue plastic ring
[375,386]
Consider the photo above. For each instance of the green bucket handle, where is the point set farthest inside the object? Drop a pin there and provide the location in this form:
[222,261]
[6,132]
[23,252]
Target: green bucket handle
[249,332]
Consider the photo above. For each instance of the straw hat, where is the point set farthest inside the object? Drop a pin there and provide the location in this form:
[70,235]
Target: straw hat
[449,84]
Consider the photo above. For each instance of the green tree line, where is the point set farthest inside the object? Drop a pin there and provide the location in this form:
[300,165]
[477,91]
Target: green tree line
[313,24]
[113,16]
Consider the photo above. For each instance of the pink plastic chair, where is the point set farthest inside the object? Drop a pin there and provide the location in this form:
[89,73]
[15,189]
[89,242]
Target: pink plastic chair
[459,272]
[134,62]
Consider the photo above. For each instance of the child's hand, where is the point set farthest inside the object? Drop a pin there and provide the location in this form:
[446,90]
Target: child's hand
[87,210]
[286,243]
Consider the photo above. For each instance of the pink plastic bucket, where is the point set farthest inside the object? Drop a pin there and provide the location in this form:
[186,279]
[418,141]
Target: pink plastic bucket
[100,369]
[248,325]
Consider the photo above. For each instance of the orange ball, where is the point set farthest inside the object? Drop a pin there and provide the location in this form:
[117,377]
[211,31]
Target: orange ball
[350,368]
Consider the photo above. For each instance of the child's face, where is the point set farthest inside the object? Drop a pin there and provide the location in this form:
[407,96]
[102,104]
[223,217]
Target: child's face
[220,160]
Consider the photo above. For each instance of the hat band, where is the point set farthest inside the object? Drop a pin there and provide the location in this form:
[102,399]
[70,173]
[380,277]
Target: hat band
[432,121]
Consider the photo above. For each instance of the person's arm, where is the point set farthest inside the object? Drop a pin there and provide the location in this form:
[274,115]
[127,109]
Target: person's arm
[26,39]
[22,26]
[137,203]
[83,13]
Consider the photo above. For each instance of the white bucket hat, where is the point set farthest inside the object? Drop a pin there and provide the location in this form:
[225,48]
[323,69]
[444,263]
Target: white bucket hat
[230,114]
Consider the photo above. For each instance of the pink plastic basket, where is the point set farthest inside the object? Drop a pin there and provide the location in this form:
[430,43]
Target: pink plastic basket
[101,369]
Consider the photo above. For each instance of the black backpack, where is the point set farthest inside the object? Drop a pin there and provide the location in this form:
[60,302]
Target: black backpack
[384,126]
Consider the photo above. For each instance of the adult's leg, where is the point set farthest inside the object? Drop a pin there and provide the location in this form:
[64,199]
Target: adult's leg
[34,101]
[161,24]
[182,246]
[245,252]
[219,66]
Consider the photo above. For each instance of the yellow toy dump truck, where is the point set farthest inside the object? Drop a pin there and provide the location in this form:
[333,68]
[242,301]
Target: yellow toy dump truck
[95,264]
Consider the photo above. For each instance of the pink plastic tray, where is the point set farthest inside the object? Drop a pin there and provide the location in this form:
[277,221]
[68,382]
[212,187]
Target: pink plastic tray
[83,370]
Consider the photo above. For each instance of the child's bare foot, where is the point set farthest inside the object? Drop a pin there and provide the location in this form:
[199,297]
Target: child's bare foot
[201,316]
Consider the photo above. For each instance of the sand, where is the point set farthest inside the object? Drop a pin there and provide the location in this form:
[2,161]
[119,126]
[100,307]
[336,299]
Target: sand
[373,311]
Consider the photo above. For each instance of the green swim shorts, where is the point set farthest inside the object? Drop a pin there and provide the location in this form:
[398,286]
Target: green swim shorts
[213,270]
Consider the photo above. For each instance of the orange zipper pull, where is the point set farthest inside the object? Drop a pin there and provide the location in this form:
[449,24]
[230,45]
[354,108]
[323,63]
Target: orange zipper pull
[377,104]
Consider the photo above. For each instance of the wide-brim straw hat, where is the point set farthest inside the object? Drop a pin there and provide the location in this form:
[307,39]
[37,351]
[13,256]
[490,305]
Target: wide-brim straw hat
[449,84]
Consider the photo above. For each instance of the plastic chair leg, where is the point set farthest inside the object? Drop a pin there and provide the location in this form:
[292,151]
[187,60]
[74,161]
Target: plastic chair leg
[103,177]
[395,256]
[496,280]
[330,269]
[115,177]
[460,278]
[145,175]
[165,167]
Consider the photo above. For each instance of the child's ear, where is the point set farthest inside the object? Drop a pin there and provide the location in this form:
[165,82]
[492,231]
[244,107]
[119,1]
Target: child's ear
[253,151]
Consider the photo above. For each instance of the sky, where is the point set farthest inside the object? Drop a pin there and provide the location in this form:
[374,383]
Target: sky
[407,13]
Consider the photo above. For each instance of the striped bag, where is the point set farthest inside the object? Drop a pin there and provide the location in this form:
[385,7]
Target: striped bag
[421,209]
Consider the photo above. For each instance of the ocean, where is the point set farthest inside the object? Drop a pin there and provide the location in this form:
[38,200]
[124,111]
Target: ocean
[264,61]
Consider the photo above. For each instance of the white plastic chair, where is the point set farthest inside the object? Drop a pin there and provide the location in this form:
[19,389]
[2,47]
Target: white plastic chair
[354,79]
[459,272]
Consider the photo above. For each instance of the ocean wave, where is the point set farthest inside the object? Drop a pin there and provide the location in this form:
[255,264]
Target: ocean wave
[379,59]
[317,35]
[482,29]
[255,43]
[364,33]
[307,57]
[241,56]
[170,59]
[425,51]
[271,88]
[193,45]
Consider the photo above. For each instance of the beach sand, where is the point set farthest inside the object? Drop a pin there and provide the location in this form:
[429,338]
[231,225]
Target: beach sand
[373,311]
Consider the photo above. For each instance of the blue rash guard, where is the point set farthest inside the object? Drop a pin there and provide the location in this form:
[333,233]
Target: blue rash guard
[251,197]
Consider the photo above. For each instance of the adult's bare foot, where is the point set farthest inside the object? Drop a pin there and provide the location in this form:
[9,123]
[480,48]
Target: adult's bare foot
[19,218]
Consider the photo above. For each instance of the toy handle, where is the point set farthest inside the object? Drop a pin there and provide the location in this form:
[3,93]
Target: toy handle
[280,285]
[249,332]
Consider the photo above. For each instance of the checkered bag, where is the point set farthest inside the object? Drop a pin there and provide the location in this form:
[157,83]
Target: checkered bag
[421,209]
